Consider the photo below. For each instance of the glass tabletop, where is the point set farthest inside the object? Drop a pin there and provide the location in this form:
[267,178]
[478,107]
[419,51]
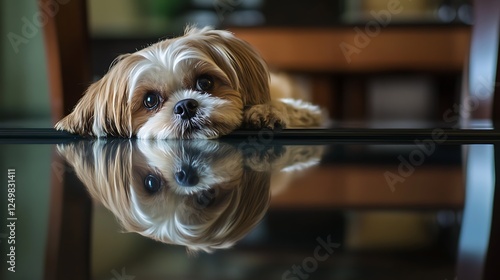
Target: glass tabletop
[332,204]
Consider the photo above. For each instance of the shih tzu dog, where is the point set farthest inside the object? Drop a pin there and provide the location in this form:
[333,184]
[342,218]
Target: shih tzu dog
[198,194]
[204,84]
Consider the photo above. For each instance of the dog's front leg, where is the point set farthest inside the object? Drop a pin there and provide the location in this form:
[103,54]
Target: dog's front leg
[284,113]
[272,115]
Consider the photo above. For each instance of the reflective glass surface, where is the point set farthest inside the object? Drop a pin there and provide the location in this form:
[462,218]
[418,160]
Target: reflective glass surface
[252,206]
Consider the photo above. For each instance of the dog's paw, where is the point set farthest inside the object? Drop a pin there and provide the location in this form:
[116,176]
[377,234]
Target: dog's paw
[263,158]
[264,116]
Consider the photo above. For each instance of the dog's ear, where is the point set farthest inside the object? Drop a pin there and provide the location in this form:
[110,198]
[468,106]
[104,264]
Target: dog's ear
[104,108]
[104,168]
[252,71]
[244,66]
[80,120]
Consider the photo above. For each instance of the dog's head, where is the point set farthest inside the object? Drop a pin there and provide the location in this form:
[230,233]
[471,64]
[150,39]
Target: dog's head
[194,86]
[197,194]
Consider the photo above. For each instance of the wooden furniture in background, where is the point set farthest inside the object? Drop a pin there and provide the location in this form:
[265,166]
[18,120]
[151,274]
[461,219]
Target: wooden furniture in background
[393,49]
[67,47]
[339,60]
[68,60]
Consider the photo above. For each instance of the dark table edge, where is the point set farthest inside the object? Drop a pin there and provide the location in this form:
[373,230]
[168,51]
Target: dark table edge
[292,136]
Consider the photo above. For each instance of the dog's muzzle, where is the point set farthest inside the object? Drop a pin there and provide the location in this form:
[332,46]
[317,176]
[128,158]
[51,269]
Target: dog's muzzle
[186,108]
[187,176]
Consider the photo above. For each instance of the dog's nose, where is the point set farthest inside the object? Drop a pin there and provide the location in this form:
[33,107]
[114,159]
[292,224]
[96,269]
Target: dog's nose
[186,108]
[187,177]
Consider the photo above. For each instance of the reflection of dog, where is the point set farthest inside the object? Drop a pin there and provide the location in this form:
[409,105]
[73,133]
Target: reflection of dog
[198,193]
[204,84]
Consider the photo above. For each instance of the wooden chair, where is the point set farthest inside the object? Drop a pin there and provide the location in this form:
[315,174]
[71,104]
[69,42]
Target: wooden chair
[68,53]
[69,72]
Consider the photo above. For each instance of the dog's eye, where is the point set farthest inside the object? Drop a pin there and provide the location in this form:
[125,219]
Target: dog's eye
[151,100]
[152,183]
[204,83]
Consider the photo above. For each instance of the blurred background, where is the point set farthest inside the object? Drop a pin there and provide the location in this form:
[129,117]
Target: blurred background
[390,63]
